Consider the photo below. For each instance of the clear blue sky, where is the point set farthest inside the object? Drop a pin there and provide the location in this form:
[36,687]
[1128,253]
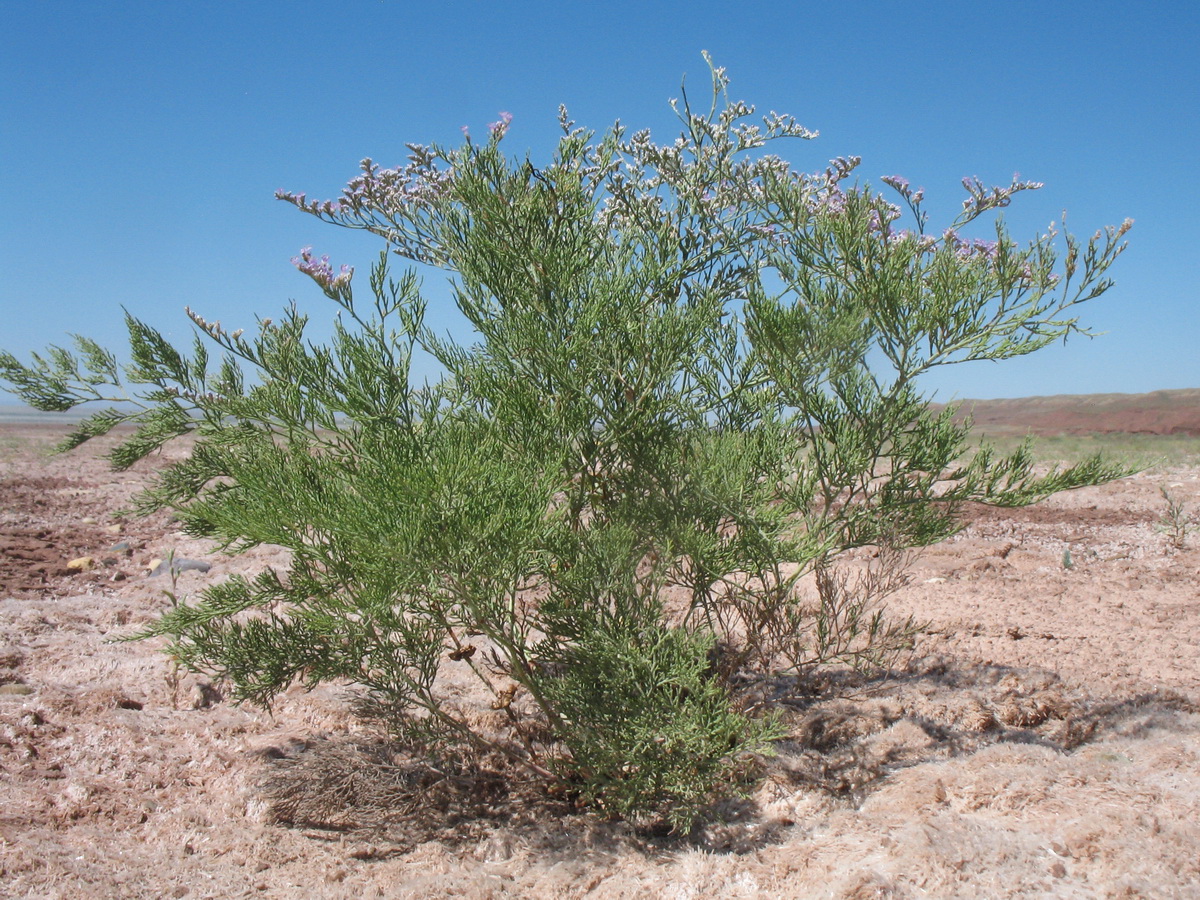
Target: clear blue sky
[141,142]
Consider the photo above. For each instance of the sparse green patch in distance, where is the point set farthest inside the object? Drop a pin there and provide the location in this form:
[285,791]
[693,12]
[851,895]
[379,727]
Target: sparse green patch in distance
[1135,451]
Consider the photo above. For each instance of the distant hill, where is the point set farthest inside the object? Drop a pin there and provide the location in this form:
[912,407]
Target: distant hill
[1159,412]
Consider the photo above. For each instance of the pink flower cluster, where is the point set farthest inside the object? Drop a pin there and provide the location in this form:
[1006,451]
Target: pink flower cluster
[369,196]
[880,221]
[500,128]
[496,129]
[900,184]
[320,271]
[966,248]
[828,196]
[327,207]
[984,198]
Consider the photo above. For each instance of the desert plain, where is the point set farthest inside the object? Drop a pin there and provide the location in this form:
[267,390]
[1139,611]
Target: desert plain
[1042,738]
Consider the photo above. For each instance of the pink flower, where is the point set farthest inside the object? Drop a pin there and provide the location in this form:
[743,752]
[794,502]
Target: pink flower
[320,271]
[500,128]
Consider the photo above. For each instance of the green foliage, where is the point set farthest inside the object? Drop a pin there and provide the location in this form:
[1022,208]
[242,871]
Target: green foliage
[693,381]
[650,731]
[1175,522]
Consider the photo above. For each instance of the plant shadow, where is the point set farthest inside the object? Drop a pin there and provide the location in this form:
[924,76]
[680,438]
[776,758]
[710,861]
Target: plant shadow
[846,734]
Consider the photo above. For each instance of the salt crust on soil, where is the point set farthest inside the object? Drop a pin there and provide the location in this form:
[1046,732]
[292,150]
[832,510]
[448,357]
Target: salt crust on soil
[1044,740]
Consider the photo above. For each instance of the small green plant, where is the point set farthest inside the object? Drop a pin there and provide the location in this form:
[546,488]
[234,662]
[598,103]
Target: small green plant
[692,381]
[1175,522]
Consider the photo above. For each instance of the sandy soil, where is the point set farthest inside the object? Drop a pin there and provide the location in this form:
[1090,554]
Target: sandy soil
[1044,740]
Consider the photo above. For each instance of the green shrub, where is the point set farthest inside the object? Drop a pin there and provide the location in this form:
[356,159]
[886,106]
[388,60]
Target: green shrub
[693,379]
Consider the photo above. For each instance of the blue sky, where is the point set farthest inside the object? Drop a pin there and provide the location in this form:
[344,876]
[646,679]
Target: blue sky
[141,142]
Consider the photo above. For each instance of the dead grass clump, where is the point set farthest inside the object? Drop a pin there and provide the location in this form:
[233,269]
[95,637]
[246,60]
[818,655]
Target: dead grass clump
[369,784]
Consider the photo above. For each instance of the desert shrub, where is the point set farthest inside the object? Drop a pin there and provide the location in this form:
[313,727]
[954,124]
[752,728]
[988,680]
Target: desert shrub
[693,380]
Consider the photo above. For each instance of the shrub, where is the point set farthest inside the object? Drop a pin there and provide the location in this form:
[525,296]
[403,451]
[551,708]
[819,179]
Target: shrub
[1175,522]
[694,380]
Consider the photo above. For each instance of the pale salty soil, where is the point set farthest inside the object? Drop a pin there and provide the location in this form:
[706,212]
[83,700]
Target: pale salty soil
[1044,740]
